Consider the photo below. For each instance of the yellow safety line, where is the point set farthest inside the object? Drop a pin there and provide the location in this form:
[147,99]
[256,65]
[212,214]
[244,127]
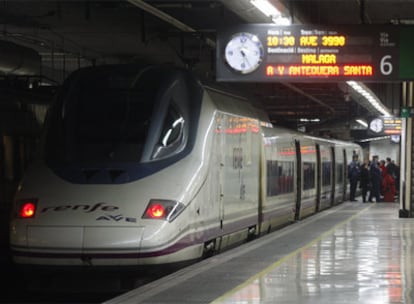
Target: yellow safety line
[286,257]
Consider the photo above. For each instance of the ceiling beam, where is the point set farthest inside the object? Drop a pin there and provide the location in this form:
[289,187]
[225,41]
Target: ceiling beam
[318,101]
[167,18]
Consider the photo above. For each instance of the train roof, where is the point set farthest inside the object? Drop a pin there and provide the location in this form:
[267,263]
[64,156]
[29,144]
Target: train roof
[236,104]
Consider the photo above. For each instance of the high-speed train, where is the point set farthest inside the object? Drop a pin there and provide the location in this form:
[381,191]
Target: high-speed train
[145,165]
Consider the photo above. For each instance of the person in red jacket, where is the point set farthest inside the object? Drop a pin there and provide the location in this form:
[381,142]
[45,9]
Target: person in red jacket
[388,187]
[382,167]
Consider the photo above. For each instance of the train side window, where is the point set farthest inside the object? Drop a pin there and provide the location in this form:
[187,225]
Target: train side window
[173,135]
[279,177]
[326,173]
[308,175]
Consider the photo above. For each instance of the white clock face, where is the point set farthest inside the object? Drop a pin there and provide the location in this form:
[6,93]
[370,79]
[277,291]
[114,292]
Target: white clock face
[376,125]
[244,53]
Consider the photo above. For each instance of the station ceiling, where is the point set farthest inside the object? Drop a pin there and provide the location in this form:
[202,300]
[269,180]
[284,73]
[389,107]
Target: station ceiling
[70,34]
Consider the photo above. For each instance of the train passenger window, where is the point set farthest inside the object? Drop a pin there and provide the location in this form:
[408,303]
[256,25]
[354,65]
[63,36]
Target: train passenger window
[279,177]
[272,178]
[308,175]
[172,139]
[326,173]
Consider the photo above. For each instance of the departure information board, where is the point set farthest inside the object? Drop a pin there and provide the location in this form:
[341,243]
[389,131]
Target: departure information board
[266,53]
[385,126]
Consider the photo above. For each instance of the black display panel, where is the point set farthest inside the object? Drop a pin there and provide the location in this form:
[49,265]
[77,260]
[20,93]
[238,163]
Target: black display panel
[298,53]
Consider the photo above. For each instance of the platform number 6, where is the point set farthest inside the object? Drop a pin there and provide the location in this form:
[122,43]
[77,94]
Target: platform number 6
[386,65]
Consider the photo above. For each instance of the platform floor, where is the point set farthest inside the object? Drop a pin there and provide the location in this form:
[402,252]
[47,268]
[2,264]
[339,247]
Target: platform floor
[352,253]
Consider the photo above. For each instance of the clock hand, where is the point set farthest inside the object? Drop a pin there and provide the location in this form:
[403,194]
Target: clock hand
[242,51]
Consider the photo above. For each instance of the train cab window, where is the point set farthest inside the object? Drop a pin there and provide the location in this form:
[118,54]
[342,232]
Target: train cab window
[102,117]
[111,123]
[108,123]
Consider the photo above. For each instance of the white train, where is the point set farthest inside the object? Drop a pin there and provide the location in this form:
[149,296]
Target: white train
[144,165]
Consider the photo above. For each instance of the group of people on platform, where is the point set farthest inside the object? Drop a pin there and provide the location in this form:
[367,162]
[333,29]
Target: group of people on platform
[378,179]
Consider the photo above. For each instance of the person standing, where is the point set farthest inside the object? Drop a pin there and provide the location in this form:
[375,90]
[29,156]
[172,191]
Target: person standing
[383,169]
[394,171]
[353,176]
[375,176]
[397,178]
[364,181]
[390,167]
[388,187]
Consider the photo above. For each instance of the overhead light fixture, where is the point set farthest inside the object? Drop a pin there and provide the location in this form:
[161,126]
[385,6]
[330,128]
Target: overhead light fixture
[374,139]
[265,7]
[369,96]
[309,120]
[362,122]
[281,20]
[402,21]
[270,11]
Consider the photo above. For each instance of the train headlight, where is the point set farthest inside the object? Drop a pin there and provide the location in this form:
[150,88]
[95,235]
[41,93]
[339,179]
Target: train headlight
[26,208]
[163,210]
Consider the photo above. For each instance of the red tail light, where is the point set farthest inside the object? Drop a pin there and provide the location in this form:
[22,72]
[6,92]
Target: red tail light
[163,210]
[26,208]
[156,211]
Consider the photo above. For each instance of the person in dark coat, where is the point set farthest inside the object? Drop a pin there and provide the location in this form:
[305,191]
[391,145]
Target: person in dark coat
[394,171]
[375,176]
[364,181]
[397,178]
[383,169]
[353,176]
[391,167]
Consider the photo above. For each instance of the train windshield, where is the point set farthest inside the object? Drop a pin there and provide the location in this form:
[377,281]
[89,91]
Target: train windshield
[118,115]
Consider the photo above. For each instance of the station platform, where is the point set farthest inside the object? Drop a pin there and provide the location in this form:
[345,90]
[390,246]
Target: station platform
[351,253]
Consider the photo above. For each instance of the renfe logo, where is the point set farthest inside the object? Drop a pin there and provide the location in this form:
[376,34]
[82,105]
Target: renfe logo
[84,207]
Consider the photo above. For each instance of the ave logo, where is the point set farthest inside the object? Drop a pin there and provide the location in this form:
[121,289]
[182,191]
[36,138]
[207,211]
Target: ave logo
[116,218]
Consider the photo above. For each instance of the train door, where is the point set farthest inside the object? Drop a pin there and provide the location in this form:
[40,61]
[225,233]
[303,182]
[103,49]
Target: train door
[333,176]
[212,207]
[308,178]
[239,178]
[298,179]
[220,162]
[318,177]
[326,178]
[340,182]
[278,194]
[345,177]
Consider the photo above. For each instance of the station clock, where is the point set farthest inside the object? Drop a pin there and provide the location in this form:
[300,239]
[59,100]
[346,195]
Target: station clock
[376,125]
[243,52]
